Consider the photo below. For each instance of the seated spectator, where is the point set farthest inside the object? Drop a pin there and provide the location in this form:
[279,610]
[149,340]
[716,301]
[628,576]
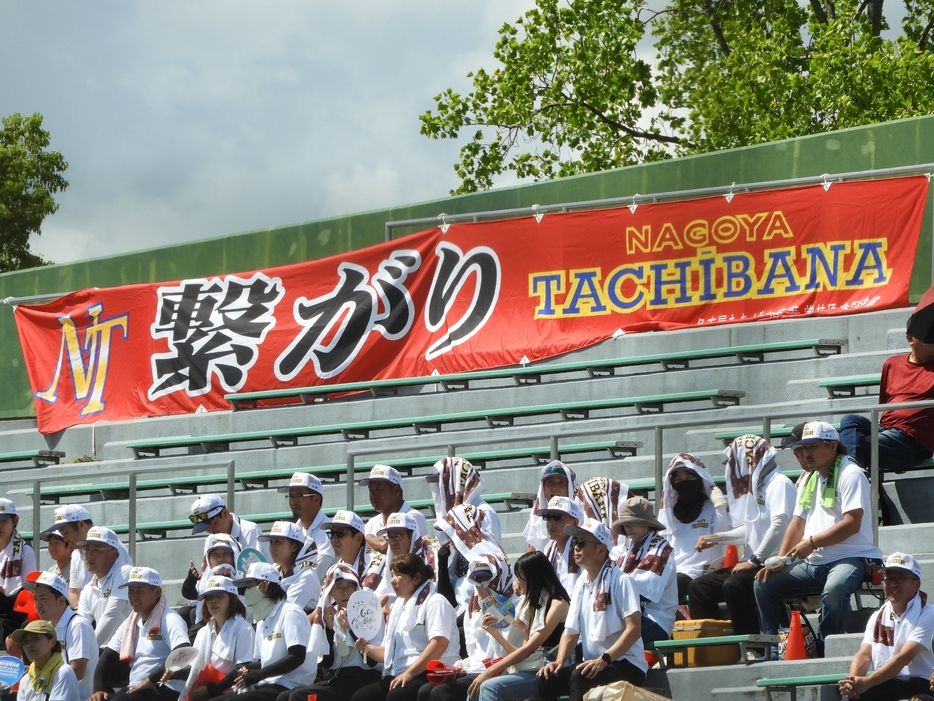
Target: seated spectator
[296,557]
[561,512]
[343,667]
[59,551]
[830,537]
[651,568]
[401,532]
[47,678]
[224,643]
[144,642]
[555,480]
[463,540]
[76,635]
[220,559]
[306,495]
[541,616]
[761,501]
[455,481]
[209,515]
[603,616]
[421,628]
[17,559]
[692,507]
[74,522]
[906,436]
[601,498]
[897,641]
[280,660]
[386,496]
[345,531]
[103,601]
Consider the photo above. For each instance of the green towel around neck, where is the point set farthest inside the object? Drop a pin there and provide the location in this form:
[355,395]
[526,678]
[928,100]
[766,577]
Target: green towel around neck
[828,496]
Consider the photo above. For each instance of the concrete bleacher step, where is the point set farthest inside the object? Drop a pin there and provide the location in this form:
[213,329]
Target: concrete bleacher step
[913,538]
[843,645]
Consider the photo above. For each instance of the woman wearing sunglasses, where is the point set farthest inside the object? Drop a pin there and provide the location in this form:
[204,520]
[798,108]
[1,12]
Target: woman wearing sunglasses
[296,558]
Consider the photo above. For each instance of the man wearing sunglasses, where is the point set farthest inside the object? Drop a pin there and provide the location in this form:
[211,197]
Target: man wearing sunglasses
[561,512]
[897,641]
[345,531]
[306,496]
[209,514]
[604,616]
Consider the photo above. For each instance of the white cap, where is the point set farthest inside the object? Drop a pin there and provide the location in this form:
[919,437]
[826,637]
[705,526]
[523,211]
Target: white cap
[142,575]
[220,540]
[595,528]
[7,509]
[259,572]
[344,518]
[303,479]
[99,534]
[818,431]
[218,585]
[47,535]
[210,504]
[901,561]
[563,505]
[285,529]
[69,513]
[47,579]
[399,522]
[382,473]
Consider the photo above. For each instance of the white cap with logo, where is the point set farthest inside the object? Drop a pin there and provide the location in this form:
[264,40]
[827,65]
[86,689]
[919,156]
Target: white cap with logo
[99,534]
[303,479]
[140,576]
[285,529]
[816,431]
[903,561]
[382,473]
[399,522]
[7,509]
[563,505]
[69,513]
[47,579]
[595,528]
[344,518]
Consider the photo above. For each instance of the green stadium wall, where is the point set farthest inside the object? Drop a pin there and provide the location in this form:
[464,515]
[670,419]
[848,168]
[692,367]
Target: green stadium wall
[902,143]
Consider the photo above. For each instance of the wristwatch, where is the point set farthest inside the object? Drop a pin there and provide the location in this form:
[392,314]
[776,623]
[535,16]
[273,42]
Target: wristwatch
[606,658]
[756,561]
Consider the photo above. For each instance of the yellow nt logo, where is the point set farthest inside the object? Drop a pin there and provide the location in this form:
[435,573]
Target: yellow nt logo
[89,361]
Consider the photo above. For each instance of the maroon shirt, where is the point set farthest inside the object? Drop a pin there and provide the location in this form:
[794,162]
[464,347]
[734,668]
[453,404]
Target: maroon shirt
[904,381]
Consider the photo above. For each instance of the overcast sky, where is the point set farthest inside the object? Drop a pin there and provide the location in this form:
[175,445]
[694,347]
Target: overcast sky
[187,119]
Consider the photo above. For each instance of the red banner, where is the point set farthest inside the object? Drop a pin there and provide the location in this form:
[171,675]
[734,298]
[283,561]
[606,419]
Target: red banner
[474,296]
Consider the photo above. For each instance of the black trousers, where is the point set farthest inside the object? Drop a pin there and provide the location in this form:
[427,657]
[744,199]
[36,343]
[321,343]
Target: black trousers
[380,691]
[895,689]
[571,683]
[340,687]
[263,692]
[157,693]
[707,591]
[449,691]
[684,584]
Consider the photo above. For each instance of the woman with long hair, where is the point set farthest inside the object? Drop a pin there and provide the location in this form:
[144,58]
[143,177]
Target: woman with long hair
[296,558]
[422,627]
[541,616]
[48,678]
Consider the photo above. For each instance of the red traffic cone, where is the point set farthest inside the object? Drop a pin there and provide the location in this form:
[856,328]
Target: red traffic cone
[794,647]
[732,557]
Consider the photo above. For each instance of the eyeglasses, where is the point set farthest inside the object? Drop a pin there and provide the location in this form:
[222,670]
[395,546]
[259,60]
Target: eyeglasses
[581,544]
[552,517]
[298,497]
[206,516]
[96,551]
[395,535]
[339,533]
[898,578]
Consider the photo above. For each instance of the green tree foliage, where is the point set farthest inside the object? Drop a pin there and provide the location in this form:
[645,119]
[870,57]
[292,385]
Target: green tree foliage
[29,175]
[572,93]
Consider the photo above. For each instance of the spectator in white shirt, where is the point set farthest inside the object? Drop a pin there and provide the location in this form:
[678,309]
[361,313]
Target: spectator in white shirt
[74,522]
[305,496]
[103,601]
[385,489]
[48,677]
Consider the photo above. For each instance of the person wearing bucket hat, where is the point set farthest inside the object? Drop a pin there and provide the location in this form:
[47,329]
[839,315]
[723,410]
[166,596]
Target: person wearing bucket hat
[224,643]
[280,660]
[829,539]
[144,641]
[650,565]
[103,602]
[604,616]
[48,678]
[306,496]
[561,512]
[897,640]
[386,496]
[17,559]
[73,522]
[554,480]
[79,646]
[761,500]
[296,557]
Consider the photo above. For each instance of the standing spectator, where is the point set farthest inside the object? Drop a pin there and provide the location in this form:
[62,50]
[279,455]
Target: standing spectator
[555,480]
[830,532]
[17,559]
[562,512]
[651,568]
[59,551]
[345,532]
[296,557]
[48,677]
[104,601]
[74,522]
[762,501]
[604,616]
[455,481]
[209,514]
[897,641]
[305,495]
[386,496]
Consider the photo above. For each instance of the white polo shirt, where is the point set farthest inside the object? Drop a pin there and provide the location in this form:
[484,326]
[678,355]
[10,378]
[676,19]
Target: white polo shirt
[154,641]
[64,687]
[285,627]
[560,559]
[376,522]
[78,576]
[104,604]
[325,552]
[79,643]
[888,642]
[435,618]
[303,587]
[224,650]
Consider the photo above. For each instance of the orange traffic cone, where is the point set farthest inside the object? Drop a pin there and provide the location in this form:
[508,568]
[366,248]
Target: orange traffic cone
[731,558]
[794,647]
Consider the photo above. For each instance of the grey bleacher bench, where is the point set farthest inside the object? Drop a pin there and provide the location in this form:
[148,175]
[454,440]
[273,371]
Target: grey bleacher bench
[790,685]
[530,374]
[846,386]
[260,479]
[494,418]
[758,643]
[38,458]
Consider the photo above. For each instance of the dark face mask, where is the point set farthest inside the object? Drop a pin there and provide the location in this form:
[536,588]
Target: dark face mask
[689,491]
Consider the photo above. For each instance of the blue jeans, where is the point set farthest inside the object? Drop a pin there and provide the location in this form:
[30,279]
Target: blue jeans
[520,685]
[898,451]
[835,582]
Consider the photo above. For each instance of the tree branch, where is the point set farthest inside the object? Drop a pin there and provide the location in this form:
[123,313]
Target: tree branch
[635,133]
[924,35]
[717,30]
[819,11]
